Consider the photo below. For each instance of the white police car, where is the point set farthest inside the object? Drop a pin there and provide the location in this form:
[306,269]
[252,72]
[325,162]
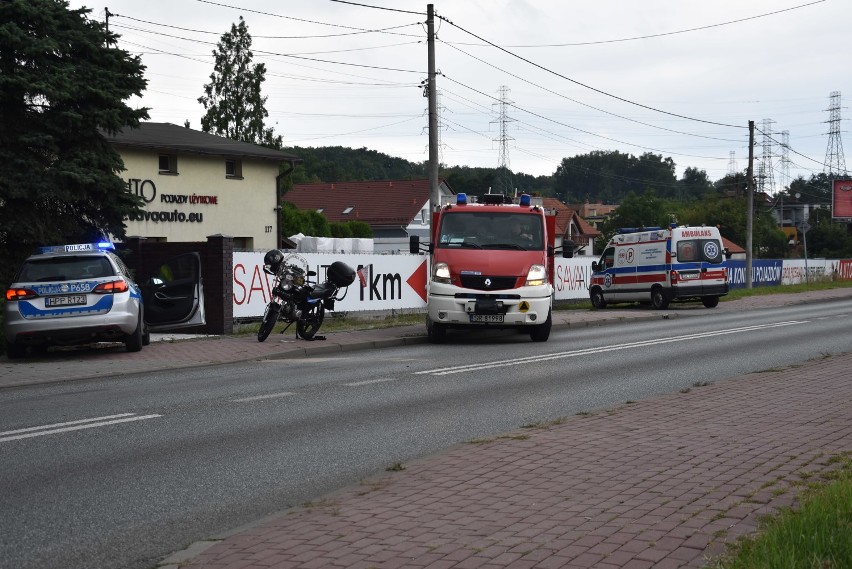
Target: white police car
[84,293]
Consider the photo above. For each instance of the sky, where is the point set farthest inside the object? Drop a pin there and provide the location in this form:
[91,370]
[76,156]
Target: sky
[541,79]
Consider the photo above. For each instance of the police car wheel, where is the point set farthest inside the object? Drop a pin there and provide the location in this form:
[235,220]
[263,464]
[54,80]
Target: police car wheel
[14,351]
[598,299]
[133,343]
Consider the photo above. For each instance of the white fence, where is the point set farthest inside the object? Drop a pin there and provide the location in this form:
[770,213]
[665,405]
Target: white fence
[399,281]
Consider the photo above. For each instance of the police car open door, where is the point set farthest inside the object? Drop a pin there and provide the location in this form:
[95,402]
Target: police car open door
[174,296]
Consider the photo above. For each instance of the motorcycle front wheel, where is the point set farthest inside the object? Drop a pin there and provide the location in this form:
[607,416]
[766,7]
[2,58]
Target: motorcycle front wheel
[270,317]
[311,320]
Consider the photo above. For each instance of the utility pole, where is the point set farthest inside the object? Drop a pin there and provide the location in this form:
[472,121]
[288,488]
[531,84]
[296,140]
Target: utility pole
[750,201]
[435,190]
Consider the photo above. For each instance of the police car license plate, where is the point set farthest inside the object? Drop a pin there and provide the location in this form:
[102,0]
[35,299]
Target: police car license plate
[486,318]
[69,300]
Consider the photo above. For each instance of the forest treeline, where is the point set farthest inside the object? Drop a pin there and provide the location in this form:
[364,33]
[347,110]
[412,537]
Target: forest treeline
[646,189]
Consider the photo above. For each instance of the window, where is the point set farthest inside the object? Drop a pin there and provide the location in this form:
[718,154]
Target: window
[243,243]
[168,164]
[234,169]
[693,250]
[348,210]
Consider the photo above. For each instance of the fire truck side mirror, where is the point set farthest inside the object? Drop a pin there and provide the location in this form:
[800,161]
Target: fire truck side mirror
[568,249]
[414,244]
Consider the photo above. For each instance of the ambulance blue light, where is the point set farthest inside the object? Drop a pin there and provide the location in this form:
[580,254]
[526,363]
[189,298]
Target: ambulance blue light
[461,198]
[525,199]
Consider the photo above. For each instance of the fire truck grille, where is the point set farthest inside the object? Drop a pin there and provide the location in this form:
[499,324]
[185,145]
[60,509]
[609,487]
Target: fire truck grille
[478,282]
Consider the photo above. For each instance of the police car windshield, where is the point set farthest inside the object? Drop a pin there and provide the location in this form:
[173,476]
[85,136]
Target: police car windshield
[491,230]
[64,269]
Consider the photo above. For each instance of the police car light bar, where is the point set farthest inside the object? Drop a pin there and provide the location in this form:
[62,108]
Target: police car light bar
[77,247]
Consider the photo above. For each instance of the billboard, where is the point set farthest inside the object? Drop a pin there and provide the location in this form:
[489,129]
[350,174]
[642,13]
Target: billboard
[841,200]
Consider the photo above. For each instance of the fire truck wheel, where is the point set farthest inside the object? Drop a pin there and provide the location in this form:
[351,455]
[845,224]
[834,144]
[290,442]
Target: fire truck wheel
[710,301]
[659,298]
[436,332]
[541,332]
[598,298]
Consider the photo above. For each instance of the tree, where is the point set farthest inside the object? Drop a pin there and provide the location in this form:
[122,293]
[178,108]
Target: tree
[61,87]
[646,210]
[235,107]
[608,176]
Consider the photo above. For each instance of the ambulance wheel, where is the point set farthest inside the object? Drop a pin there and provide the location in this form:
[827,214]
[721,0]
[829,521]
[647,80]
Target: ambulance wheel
[541,332]
[710,301]
[436,332]
[659,298]
[598,298]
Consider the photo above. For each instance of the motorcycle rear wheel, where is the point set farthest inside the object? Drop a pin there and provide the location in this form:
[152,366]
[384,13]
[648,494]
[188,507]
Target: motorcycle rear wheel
[310,322]
[270,317]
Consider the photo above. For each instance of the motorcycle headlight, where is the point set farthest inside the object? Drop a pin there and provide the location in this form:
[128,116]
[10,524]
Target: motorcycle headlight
[300,280]
[441,273]
[537,275]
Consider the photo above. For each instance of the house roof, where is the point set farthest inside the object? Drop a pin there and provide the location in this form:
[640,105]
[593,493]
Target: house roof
[732,247]
[166,136]
[377,203]
[564,215]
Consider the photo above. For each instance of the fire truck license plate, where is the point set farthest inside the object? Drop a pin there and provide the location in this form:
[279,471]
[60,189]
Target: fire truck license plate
[486,318]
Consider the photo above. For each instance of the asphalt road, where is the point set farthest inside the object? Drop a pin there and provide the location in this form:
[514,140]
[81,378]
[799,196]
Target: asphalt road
[202,450]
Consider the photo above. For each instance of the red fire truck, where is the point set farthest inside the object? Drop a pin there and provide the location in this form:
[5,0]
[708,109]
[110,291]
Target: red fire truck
[491,265]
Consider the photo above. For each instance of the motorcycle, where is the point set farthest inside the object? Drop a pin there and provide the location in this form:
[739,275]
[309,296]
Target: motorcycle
[296,299]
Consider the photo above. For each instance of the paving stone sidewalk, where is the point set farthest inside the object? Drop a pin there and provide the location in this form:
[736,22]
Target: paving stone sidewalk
[666,482]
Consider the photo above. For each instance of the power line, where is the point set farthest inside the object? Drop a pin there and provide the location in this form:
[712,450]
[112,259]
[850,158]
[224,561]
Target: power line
[664,34]
[359,31]
[378,7]
[616,97]
[579,129]
[580,102]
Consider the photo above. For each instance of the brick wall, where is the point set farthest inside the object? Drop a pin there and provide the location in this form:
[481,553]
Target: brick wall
[217,268]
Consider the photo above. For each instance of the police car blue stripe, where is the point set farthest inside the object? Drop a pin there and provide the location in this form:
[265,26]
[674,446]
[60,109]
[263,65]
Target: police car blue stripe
[31,312]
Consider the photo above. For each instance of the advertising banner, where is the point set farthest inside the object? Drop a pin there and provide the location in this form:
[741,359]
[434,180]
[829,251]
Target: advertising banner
[841,200]
[763,273]
[384,282]
[571,277]
[816,269]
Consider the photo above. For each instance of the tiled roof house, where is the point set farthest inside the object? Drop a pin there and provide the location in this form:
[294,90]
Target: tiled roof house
[569,225]
[394,209]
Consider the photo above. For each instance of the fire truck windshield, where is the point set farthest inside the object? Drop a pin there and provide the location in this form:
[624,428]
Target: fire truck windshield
[491,230]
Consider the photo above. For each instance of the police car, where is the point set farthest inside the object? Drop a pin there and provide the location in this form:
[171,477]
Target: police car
[84,293]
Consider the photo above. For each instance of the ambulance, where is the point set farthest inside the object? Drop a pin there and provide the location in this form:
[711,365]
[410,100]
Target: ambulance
[491,265]
[660,265]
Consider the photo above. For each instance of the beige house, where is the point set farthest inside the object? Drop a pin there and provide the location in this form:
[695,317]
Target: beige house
[196,184]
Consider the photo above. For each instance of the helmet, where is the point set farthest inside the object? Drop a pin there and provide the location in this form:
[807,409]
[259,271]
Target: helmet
[273,259]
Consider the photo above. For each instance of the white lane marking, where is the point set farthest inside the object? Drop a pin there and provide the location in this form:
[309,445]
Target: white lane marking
[587,351]
[262,397]
[75,427]
[54,425]
[370,381]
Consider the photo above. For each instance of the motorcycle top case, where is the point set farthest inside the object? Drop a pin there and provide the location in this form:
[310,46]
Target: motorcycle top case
[341,274]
